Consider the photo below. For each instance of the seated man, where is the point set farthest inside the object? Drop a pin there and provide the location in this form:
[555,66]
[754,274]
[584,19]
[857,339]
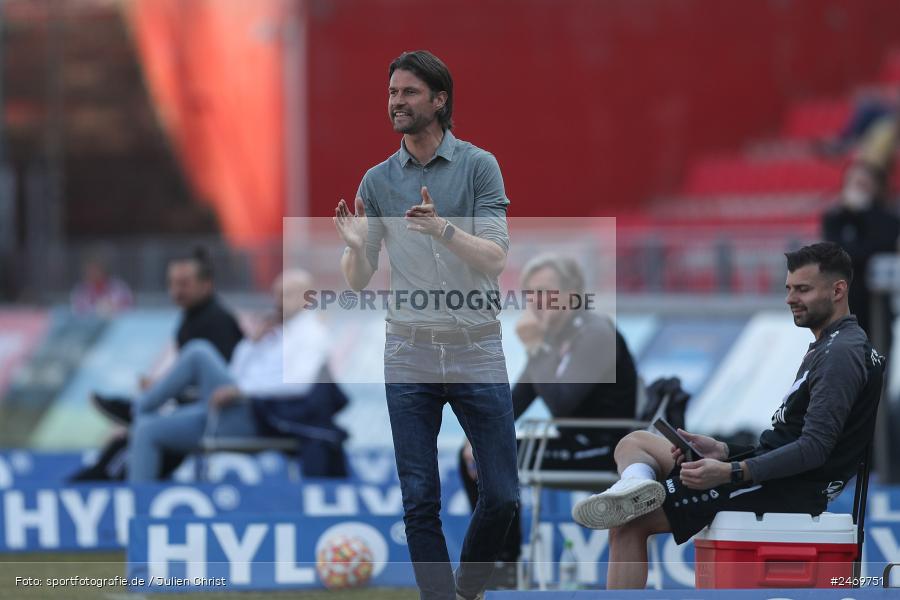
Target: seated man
[579,364]
[191,285]
[818,436]
[258,370]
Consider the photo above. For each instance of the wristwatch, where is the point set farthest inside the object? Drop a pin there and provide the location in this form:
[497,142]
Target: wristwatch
[448,231]
[737,473]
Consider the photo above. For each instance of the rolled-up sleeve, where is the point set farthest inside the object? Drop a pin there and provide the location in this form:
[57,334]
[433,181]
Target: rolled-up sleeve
[375,224]
[490,202]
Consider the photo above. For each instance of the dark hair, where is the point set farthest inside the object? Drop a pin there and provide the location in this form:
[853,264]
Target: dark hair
[831,258]
[432,70]
[200,257]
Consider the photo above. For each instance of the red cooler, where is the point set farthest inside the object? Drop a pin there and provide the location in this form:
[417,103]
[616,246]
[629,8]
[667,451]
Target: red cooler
[777,550]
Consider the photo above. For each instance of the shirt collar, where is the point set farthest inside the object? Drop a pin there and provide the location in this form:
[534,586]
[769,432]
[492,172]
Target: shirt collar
[444,150]
[837,325]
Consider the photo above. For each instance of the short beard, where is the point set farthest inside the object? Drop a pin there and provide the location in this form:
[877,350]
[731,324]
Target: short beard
[416,125]
[813,320]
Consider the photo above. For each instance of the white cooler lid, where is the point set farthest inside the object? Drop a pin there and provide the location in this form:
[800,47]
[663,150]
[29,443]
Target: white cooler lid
[827,528]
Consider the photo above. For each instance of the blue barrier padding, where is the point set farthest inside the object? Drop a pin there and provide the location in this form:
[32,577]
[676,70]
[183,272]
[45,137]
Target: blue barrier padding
[95,517]
[366,465]
[89,517]
[264,552]
[872,593]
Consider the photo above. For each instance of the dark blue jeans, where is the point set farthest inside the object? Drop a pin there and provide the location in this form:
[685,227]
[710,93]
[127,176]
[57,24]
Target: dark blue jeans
[420,378]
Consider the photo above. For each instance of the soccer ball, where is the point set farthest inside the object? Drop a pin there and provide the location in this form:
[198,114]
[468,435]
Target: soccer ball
[344,562]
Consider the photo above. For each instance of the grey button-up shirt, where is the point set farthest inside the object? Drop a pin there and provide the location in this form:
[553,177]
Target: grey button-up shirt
[467,189]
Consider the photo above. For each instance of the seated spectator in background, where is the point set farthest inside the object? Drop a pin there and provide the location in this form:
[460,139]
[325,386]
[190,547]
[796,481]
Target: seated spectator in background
[98,292]
[819,435]
[865,224]
[579,364]
[191,286]
[260,390]
[873,110]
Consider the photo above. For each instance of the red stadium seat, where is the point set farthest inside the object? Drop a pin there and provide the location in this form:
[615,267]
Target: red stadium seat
[890,68]
[738,176]
[816,119]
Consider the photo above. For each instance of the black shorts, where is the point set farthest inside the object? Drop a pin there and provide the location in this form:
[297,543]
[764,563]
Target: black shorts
[578,451]
[688,511]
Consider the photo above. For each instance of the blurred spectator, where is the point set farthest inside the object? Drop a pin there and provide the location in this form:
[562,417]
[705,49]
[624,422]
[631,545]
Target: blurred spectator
[277,383]
[864,225]
[874,112]
[191,286]
[98,292]
[579,364]
[236,399]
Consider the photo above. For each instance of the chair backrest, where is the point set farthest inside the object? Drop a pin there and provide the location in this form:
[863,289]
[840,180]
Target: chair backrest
[641,398]
[860,496]
[861,491]
[665,398]
[660,412]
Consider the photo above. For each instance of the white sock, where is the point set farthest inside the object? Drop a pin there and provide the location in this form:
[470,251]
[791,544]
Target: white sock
[639,471]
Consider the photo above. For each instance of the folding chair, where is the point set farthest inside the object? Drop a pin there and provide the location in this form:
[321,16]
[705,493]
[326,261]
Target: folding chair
[534,437]
[210,443]
[861,492]
[287,421]
[859,509]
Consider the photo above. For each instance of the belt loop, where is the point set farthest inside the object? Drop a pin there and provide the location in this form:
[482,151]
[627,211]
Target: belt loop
[412,335]
[468,337]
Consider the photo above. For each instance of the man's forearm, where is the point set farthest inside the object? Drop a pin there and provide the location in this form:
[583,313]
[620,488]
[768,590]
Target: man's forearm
[480,254]
[356,268]
[799,456]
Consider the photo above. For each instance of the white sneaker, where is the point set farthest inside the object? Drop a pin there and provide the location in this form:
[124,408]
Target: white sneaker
[626,500]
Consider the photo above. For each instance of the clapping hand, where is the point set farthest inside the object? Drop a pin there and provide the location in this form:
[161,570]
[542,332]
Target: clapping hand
[353,228]
[424,218]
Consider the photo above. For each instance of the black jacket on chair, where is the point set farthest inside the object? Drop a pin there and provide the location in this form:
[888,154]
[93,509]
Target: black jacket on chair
[309,419]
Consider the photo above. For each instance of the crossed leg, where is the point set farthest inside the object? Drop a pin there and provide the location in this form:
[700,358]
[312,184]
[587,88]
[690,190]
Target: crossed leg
[628,542]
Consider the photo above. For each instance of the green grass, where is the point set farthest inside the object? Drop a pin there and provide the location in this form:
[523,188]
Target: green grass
[107,565]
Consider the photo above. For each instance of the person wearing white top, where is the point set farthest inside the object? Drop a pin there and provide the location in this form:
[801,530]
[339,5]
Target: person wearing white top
[259,367]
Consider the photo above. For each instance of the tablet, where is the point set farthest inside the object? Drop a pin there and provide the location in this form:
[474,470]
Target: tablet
[671,434]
